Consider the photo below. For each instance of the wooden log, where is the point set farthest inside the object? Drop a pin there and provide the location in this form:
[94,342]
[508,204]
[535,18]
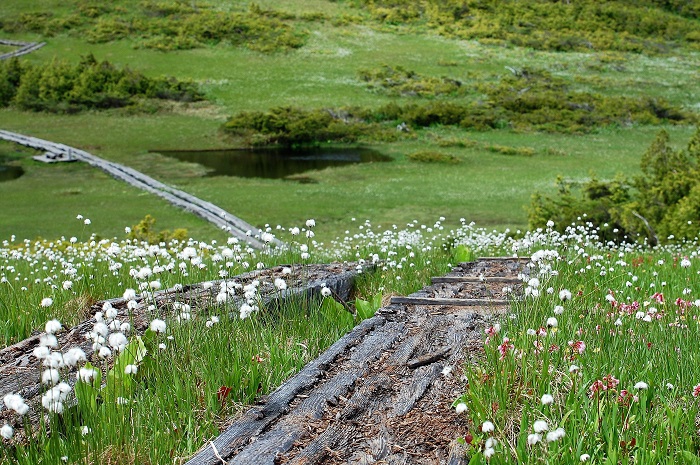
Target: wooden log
[24,48]
[448,302]
[472,279]
[520,259]
[287,431]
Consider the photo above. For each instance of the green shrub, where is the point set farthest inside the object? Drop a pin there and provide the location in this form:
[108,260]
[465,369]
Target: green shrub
[507,150]
[427,156]
[624,25]
[169,25]
[144,231]
[399,81]
[64,88]
[662,203]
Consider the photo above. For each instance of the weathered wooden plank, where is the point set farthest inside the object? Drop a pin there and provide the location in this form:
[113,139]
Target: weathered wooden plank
[448,302]
[473,279]
[520,259]
[410,392]
[291,428]
[24,48]
[206,210]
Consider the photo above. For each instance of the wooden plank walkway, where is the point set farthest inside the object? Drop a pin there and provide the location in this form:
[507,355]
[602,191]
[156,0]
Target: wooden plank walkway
[381,394]
[22,48]
[206,210]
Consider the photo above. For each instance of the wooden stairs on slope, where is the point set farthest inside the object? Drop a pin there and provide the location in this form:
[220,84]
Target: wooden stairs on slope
[383,392]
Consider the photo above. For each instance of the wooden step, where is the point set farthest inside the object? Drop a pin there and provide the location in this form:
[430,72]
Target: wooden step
[474,279]
[448,302]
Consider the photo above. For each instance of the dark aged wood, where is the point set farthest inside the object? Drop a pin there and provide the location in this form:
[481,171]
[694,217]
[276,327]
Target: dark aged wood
[359,402]
[451,302]
[471,279]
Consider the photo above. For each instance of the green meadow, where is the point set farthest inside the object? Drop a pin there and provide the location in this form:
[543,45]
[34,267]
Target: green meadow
[486,186]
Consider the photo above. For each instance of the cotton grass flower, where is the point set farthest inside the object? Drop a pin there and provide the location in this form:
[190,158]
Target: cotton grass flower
[73,356]
[48,340]
[552,322]
[50,376]
[15,402]
[547,399]
[641,385]
[131,369]
[7,431]
[584,457]
[86,374]
[460,408]
[46,302]
[487,427]
[533,439]
[157,326]
[540,426]
[565,294]
[556,435]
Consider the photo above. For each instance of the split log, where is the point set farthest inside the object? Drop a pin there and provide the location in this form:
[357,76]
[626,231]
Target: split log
[448,302]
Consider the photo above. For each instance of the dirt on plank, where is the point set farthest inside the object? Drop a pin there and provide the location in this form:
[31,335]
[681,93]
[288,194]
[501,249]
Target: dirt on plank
[386,399]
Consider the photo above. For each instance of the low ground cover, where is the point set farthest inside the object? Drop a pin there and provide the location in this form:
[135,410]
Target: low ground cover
[572,371]
[597,365]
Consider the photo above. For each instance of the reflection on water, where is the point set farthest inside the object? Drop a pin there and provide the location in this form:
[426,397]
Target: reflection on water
[275,163]
[8,173]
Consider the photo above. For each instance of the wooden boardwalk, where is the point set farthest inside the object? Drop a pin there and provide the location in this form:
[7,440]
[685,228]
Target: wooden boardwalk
[206,210]
[383,392]
[22,48]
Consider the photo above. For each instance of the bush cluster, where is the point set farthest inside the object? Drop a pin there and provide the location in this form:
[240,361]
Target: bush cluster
[526,100]
[66,88]
[398,81]
[168,25]
[428,156]
[661,204]
[625,25]
[291,126]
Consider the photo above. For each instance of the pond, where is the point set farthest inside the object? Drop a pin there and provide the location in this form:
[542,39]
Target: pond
[8,173]
[276,163]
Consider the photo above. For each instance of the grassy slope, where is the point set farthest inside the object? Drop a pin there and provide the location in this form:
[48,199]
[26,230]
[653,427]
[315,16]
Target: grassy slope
[488,188]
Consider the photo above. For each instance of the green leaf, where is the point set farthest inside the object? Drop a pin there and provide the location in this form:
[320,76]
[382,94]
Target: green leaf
[367,309]
[463,254]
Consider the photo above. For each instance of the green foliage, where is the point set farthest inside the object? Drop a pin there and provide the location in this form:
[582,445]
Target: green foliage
[534,99]
[367,308]
[144,230]
[427,156]
[291,126]
[525,100]
[169,25]
[463,254]
[507,150]
[582,25]
[661,204]
[397,81]
[61,87]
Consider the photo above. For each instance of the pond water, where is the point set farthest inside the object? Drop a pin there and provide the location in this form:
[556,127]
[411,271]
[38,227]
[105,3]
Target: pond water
[276,163]
[8,173]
